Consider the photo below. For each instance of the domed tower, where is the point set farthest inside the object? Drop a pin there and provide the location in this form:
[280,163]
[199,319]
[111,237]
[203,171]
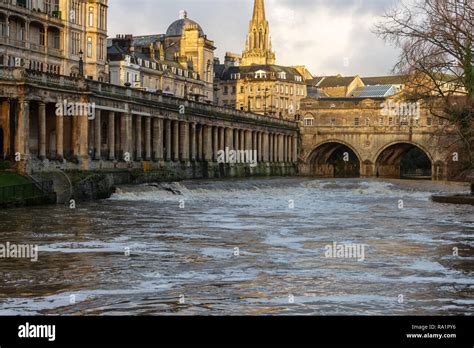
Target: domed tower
[187,44]
[258,48]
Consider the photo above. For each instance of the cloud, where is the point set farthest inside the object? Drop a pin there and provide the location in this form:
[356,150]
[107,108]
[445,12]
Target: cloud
[328,36]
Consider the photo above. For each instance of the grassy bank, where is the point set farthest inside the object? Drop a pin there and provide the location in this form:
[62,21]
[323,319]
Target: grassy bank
[12,179]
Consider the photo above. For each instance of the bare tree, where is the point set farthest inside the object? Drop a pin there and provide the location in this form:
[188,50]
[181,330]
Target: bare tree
[436,40]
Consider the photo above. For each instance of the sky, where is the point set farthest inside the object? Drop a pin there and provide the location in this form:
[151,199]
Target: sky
[327,36]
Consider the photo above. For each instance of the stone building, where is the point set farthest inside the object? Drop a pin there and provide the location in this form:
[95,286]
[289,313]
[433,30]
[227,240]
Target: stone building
[53,35]
[178,63]
[253,82]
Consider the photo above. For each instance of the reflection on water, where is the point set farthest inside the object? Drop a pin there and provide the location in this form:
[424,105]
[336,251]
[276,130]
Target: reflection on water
[238,248]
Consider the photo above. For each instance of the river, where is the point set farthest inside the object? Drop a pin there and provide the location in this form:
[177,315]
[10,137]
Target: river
[245,247]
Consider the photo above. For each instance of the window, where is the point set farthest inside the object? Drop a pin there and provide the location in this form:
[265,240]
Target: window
[367,122]
[234,89]
[76,43]
[357,122]
[381,122]
[101,49]
[390,121]
[242,89]
[259,103]
[333,121]
[260,74]
[308,122]
[226,90]
[91,16]
[75,13]
[102,17]
[89,47]
[429,121]
[42,37]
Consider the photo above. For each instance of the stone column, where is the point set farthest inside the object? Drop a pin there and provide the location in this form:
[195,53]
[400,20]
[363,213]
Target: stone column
[175,151]
[280,148]
[254,141]
[5,116]
[200,147]
[184,141]
[236,139]
[270,148]
[42,130]
[295,149]
[207,140]
[125,135]
[147,138]
[158,130]
[168,140]
[215,143]
[229,141]
[248,140]
[284,146]
[138,137]
[22,131]
[111,135]
[59,137]
[192,144]
[288,148]
[266,152]
[275,148]
[80,130]
[97,135]
[221,139]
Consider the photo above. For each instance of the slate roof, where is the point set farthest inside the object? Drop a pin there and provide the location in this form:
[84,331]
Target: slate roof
[224,73]
[336,81]
[147,40]
[384,80]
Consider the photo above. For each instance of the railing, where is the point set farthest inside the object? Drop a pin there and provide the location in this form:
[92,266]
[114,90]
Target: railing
[26,192]
[55,51]
[44,14]
[19,43]
[35,47]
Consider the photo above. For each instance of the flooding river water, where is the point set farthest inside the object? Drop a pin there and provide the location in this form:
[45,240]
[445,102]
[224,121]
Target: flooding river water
[246,247]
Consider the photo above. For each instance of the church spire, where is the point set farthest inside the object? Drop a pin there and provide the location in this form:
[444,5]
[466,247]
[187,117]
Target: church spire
[258,11]
[258,48]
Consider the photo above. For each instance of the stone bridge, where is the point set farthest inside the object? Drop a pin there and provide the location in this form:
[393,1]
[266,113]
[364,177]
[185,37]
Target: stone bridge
[352,138]
[106,127]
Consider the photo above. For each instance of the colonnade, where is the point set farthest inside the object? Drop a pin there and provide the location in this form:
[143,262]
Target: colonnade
[33,129]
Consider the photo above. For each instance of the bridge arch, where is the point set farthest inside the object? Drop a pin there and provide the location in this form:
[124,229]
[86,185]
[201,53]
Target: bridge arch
[404,159]
[334,159]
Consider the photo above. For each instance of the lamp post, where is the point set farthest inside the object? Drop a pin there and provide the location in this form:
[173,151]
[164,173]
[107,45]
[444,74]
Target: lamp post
[81,64]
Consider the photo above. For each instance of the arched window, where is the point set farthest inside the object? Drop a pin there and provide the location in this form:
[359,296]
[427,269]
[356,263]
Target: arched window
[91,16]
